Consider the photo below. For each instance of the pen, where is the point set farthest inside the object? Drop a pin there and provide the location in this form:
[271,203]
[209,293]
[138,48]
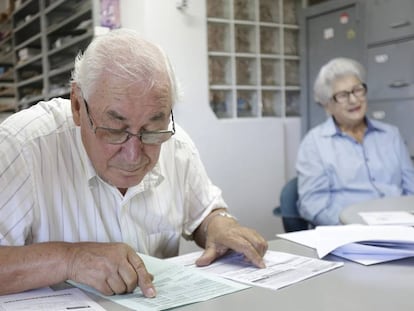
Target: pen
[77,307]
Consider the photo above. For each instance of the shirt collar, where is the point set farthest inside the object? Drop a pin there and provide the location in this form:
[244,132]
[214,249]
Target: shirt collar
[329,127]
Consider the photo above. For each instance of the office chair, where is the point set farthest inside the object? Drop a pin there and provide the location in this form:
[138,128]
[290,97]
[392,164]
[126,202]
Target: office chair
[288,210]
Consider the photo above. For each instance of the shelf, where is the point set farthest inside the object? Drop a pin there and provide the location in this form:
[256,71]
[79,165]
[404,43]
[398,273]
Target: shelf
[33,80]
[28,101]
[27,22]
[7,58]
[87,36]
[36,38]
[7,76]
[68,26]
[5,107]
[6,39]
[253,58]
[7,91]
[53,32]
[63,5]
[29,7]
[28,62]
[61,92]
[62,69]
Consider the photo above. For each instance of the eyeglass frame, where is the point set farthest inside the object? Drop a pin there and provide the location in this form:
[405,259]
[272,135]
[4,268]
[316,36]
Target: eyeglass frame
[348,94]
[139,135]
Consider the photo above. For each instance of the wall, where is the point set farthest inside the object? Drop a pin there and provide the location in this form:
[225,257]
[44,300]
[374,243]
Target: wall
[245,158]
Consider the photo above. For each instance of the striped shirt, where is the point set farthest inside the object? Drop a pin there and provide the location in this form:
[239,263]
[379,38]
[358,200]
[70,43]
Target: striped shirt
[51,192]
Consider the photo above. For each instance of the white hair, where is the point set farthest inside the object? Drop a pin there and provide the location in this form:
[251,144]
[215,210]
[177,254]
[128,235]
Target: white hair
[330,72]
[124,54]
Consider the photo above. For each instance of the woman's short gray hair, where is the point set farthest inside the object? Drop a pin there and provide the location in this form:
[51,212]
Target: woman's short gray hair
[330,72]
[124,54]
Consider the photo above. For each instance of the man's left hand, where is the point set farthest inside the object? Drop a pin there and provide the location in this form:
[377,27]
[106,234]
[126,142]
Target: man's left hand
[224,234]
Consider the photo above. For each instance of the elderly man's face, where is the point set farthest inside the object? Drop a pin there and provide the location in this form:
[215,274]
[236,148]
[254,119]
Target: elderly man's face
[117,107]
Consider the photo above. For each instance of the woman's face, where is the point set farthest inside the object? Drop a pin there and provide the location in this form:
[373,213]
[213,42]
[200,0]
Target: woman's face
[348,104]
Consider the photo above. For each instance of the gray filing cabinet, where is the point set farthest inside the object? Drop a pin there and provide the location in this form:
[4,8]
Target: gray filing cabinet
[328,30]
[379,34]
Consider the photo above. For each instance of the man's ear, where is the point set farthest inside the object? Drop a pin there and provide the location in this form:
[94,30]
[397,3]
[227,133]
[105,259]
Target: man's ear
[75,105]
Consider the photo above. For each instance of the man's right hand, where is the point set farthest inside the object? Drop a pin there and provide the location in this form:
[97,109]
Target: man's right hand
[111,268]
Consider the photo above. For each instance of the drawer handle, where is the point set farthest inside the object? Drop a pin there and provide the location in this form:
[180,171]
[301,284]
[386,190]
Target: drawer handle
[400,24]
[398,84]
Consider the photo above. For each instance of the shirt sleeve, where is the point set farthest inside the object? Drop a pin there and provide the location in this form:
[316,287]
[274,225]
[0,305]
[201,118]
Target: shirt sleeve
[16,199]
[313,183]
[407,169]
[201,196]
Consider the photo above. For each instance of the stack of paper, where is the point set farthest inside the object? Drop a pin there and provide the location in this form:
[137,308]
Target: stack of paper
[388,218]
[363,244]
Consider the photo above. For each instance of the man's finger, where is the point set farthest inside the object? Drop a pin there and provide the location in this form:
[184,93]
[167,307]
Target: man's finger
[144,277]
[208,256]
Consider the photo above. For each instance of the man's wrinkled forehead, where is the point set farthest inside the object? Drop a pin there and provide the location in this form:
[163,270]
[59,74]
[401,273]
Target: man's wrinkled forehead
[158,90]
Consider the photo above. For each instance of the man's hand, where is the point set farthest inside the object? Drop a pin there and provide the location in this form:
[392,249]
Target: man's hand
[111,268]
[223,234]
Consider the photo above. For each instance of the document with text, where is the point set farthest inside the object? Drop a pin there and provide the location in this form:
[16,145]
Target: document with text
[282,269]
[46,299]
[176,285]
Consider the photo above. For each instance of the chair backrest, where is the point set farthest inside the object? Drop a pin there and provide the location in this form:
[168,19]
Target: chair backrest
[289,196]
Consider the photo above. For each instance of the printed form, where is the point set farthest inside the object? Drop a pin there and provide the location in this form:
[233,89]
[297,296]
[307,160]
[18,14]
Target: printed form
[46,299]
[176,285]
[282,269]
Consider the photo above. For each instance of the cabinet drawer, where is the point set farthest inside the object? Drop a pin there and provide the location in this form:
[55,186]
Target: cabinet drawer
[398,113]
[390,71]
[389,20]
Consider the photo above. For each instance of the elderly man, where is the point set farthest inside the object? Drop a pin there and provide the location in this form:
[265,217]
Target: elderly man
[89,182]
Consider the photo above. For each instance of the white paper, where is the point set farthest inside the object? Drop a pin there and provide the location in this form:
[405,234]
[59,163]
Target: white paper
[282,269]
[175,284]
[49,300]
[303,237]
[331,237]
[359,243]
[388,218]
[369,255]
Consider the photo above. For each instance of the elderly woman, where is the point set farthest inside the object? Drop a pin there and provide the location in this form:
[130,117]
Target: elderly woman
[349,158]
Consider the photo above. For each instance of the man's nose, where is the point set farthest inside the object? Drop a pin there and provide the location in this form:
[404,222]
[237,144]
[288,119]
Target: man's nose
[132,148]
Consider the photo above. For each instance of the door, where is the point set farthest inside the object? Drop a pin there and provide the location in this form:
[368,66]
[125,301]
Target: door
[329,30]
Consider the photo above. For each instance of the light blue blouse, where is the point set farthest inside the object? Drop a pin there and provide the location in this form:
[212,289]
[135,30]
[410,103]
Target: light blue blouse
[335,171]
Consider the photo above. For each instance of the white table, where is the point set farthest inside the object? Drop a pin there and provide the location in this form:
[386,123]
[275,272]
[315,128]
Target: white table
[386,286]
[350,214]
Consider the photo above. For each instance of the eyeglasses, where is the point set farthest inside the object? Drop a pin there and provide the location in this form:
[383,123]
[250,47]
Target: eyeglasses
[117,137]
[358,91]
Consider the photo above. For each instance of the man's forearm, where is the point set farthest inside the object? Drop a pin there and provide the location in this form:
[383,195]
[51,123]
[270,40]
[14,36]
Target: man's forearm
[33,266]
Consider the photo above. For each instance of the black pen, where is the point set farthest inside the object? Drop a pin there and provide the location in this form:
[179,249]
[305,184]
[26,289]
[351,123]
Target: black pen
[77,307]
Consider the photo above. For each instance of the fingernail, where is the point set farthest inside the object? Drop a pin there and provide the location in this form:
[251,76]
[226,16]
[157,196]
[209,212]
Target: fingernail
[150,292]
[262,264]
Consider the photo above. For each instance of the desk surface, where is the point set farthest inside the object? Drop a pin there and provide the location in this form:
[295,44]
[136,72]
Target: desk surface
[386,286]
[350,214]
